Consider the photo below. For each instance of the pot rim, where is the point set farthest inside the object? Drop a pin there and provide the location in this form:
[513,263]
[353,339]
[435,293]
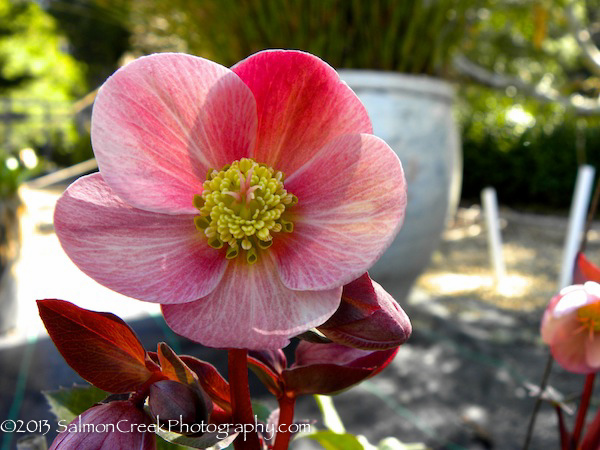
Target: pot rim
[411,84]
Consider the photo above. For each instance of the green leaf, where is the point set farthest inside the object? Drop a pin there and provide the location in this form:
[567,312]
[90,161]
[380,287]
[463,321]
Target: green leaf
[161,444]
[336,441]
[68,403]
[213,441]
[391,443]
[261,411]
[331,417]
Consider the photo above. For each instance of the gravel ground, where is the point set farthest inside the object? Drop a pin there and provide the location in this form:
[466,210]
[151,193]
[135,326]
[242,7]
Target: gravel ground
[466,376]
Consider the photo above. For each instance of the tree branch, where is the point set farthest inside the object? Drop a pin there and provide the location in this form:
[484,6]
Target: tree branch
[583,37]
[584,106]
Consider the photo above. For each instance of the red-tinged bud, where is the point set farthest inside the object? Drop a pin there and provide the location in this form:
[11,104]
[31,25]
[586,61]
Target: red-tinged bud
[331,368]
[118,424]
[319,368]
[368,318]
[177,406]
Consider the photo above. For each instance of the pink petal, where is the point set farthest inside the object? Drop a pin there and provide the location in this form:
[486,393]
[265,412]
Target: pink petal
[351,203]
[251,309]
[161,121]
[550,324]
[572,298]
[592,352]
[302,104]
[152,257]
[569,344]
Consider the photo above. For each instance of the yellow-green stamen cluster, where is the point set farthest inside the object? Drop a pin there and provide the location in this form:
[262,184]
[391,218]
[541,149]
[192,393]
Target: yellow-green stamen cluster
[243,205]
[589,317]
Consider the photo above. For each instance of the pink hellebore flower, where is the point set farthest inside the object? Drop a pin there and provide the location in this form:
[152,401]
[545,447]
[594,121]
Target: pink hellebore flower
[240,199]
[571,326]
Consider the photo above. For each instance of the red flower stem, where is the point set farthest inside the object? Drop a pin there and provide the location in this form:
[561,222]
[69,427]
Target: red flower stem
[241,403]
[591,440]
[286,419]
[583,407]
[564,434]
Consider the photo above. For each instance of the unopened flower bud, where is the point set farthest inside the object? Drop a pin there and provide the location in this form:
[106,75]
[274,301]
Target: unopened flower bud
[116,424]
[367,318]
[176,406]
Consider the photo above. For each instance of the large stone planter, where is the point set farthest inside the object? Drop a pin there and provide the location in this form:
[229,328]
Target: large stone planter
[10,242]
[413,114]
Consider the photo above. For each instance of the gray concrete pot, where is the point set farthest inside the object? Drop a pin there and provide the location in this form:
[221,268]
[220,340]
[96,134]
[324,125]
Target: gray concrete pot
[413,114]
[10,243]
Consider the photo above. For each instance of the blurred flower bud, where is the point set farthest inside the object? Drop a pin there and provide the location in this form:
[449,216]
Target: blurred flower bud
[368,318]
[571,327]
[118,424]
[176,406]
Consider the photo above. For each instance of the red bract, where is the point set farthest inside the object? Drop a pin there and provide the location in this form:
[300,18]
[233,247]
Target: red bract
[115,425]
[242,200]
[105,351]
[99,346]
[368,318]
[571,326]
[585,270]
[318,369]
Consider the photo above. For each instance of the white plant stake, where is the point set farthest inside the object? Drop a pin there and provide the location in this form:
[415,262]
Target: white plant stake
[490,208]
[579,207]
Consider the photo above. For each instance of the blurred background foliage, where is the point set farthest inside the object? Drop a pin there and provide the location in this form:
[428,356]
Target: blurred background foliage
[39,80]
[528,92]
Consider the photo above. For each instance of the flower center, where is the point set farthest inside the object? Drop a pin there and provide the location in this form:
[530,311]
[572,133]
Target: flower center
[243,205]
[589,317]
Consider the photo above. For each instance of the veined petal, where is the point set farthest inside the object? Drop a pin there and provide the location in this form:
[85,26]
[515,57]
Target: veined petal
[351,204]
[149,256]
[302,104]
[251,309]
[160,122]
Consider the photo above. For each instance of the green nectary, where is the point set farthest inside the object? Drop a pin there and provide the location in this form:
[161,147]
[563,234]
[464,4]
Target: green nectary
[242,206]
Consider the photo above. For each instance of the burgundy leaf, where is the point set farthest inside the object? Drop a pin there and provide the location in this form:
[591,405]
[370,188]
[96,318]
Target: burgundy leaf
[265,372]
[100,347]
[211,381]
